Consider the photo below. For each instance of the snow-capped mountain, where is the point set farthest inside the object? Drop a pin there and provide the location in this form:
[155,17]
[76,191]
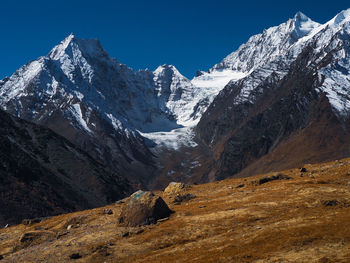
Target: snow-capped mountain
[101,105]
[276,48]
[305,86]
[271,51]
[273,44]
[78,91]
[163,105]
[118,115]
[269,45]
[81,71]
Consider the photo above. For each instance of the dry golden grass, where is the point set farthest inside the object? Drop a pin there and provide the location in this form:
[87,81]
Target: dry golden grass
[278,221]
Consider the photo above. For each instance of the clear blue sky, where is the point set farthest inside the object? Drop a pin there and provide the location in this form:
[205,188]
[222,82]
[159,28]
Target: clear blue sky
[144,34]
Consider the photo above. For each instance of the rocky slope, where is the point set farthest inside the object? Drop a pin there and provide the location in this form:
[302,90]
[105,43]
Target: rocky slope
[281,104]
[43,174]
[290,216]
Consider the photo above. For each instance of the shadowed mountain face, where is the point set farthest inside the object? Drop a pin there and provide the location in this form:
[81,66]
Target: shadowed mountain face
[43,174]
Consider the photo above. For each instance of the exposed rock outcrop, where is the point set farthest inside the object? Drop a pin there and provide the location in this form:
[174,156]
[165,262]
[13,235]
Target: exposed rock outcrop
[175,188]
[143,208]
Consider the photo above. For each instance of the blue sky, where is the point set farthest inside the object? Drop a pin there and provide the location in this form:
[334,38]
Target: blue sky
[144,34]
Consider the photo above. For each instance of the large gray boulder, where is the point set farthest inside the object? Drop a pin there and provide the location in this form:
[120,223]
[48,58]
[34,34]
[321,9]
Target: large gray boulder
[143,208]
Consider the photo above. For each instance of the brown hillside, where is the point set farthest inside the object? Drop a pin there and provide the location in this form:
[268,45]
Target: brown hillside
[278,217]
[324,139]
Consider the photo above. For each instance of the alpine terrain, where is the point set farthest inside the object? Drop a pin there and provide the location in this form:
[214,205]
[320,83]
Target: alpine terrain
[280,100]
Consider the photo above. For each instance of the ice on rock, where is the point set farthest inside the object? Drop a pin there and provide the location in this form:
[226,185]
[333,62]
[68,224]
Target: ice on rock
[76,112]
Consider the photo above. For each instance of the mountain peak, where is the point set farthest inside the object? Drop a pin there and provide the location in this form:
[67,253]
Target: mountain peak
[57,51]
[71,46]
[299,16]
[342,17]
[303,25]
[69,38]
[166,69]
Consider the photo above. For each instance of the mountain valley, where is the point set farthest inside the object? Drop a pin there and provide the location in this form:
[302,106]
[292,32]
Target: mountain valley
[82,130]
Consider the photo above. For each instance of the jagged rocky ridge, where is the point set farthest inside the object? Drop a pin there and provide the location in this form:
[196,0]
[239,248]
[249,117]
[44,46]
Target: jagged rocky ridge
[78,91]
[143,124]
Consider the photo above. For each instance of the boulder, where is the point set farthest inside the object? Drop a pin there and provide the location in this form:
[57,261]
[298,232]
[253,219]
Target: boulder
[143,208]
[303,170]
[176,188]
[330,203]
[107,211]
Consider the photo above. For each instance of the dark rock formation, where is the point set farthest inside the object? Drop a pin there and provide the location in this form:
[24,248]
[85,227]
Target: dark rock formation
[272,178]
[143,208]
[330,203]
[75,256]
[43,174]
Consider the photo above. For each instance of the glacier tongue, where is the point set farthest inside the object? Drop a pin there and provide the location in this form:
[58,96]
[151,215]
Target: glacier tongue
[186,101]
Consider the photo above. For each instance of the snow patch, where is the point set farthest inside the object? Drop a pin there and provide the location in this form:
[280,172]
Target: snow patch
[78,116]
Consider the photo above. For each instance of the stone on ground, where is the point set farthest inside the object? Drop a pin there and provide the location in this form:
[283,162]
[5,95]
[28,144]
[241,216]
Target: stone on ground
[176,188]
[143,208]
